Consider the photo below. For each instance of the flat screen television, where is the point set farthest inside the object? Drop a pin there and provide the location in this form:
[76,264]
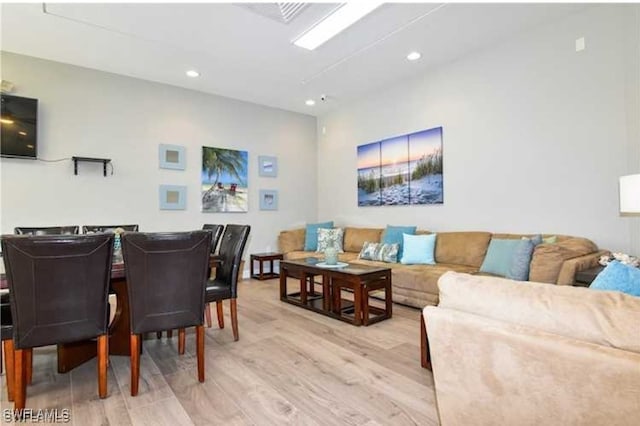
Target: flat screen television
[18,127]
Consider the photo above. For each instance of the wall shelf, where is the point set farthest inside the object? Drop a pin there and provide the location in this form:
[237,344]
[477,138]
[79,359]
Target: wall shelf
[104,162]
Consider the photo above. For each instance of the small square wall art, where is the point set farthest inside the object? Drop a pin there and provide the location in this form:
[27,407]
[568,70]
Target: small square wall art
[171,157]
[267,166]
[173,197]
[268,199]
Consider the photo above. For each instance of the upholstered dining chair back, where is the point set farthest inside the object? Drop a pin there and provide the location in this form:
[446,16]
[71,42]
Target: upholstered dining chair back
[216,233]
[90,229]
[166,276]
[46,230]
[231,248]
[59,287]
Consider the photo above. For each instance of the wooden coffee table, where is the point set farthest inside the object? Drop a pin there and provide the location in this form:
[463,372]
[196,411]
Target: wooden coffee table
[360,279]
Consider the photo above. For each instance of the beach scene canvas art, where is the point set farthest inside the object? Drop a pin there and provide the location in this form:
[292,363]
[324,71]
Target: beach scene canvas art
[224,180]
[401,170]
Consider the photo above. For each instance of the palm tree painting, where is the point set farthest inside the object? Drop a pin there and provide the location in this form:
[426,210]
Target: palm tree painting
[224,180]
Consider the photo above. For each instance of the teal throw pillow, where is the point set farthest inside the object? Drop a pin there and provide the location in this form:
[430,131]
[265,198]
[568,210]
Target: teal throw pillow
[519,267]
[499,256]
[311,235]
[394,235]
[418,249]
[618,277]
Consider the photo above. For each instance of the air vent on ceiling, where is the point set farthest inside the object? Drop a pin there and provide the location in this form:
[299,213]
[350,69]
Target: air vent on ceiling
[280,12]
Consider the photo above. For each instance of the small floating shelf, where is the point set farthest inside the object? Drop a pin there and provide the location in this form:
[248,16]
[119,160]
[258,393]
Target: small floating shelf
[104,162]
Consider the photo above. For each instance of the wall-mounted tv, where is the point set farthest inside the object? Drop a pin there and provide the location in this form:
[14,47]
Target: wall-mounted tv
[18,127]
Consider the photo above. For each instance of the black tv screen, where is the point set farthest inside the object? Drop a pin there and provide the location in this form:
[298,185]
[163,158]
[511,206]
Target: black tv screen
[18,124]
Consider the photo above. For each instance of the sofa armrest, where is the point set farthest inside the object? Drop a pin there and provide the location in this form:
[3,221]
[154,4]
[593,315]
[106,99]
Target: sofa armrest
[291,240]
[571,267]
[548,259]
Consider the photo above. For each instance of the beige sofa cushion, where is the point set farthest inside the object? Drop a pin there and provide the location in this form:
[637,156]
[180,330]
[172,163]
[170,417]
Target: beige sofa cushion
[602,317]
[292,240]
[462,248]
[354,238]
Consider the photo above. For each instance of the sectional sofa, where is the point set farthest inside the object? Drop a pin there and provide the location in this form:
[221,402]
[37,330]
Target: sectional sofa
[416,285]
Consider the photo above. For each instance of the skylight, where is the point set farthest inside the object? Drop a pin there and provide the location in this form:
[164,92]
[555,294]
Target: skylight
[341,18]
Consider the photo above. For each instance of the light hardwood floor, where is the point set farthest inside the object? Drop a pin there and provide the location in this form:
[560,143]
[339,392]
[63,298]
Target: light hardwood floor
[290,366]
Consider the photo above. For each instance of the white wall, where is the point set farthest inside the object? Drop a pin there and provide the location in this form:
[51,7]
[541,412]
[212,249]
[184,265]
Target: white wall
[89,113]
[535,134]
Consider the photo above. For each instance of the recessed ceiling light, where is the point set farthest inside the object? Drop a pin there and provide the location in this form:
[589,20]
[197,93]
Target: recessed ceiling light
[193,73]
[310,102]
[22,133]
[414,56]
[341,18]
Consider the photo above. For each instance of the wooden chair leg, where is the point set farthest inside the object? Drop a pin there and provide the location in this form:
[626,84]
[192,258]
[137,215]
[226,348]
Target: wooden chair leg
[29,365]
[1,359]
[135,363]
[207,314]
[181,336]
[9,357]
[170,334]
[103,355]
[20,380]
[234,319]
[158,334]
[200,351]
[220,314]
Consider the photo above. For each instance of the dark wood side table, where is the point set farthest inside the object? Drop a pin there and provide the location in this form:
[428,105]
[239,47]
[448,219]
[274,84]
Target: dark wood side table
[586,277]
[261,258]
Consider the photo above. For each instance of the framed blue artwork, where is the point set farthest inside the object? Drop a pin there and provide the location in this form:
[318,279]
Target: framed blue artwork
[171,157]
[267,166]
[268,199]
[173,197]
[402,170]
[224,180]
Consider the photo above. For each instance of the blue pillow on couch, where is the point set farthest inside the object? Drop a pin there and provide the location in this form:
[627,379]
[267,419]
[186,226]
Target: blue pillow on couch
[419,249]
[618,277]
[394,235]
[311,235]
[509,258]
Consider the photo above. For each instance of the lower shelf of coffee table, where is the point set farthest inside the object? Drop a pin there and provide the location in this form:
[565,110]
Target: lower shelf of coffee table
[347,308]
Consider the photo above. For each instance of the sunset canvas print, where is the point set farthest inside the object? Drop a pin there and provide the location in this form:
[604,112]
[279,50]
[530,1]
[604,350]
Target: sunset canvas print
[401,170]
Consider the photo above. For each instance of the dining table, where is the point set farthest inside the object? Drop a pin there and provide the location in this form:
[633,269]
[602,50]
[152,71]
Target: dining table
[71,355]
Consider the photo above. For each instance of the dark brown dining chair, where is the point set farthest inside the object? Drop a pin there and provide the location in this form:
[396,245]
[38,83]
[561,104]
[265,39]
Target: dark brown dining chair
[166,278]
[225,284]
[216,231]
[58,286]
[47,230]
[90,229]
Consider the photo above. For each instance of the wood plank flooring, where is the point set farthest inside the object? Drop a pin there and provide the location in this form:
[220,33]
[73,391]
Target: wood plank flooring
[290,366]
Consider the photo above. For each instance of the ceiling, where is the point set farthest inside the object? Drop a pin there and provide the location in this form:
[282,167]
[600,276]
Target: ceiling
[244,55]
